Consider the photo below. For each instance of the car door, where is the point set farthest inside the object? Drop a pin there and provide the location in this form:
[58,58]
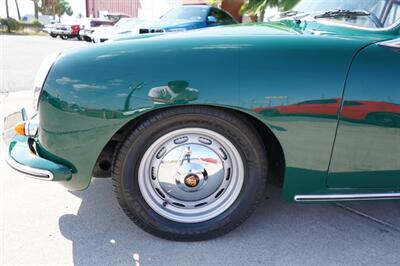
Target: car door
[366,152]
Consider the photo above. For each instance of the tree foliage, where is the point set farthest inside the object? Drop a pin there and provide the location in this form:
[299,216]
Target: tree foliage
[214,2]
[12,24]
[257,7]
[63,7]
[55,7]
[217,3]
[48,7]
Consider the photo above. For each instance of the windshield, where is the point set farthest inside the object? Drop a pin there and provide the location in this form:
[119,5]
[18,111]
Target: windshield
[382,13]
[188,13]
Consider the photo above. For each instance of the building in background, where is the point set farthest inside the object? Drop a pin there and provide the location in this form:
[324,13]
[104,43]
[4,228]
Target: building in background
[151,9]
[233,8]
[94,8]
[194,2]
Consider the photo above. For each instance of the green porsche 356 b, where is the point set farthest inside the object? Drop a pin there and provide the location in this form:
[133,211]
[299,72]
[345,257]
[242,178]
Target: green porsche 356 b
[191,126]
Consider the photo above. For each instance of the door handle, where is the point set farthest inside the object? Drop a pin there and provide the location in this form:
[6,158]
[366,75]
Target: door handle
[391,44]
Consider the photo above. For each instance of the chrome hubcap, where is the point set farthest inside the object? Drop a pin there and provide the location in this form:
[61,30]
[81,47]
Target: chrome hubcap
[191,175]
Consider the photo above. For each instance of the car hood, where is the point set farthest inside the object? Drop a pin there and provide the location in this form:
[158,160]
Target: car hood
[280,28]
[290,27]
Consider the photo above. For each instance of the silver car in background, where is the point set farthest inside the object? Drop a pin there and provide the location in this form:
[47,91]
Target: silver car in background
[123,26]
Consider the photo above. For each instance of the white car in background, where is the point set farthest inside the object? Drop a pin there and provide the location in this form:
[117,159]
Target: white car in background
[123,26]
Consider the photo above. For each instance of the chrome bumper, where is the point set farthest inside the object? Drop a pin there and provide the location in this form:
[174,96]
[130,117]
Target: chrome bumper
[62,32]
[22,153]
[29,171]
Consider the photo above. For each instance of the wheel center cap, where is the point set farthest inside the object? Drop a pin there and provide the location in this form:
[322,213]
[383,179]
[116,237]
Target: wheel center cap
[191,180]
[191,177]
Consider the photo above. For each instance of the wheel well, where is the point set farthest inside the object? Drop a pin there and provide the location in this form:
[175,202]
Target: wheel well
[276,160]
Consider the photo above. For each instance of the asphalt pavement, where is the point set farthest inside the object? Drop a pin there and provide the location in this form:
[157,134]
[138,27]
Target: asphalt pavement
[21,57]
[42,223]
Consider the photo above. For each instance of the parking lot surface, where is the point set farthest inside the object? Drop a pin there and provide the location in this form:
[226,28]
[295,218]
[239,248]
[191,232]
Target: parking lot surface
[43,223]
[21,57]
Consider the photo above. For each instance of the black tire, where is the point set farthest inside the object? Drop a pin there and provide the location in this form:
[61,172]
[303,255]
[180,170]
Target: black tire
[233,127]
[87,39]
[53,35]
[64,37]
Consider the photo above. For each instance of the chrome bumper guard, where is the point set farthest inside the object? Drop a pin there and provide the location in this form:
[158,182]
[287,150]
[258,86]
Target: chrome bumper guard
[29,171]
[22,154]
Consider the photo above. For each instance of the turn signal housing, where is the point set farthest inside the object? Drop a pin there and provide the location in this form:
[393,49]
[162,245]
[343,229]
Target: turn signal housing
[20,128]
[28,128]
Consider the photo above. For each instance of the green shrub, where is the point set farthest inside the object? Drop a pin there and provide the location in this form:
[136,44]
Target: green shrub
[36,23]
[11,23]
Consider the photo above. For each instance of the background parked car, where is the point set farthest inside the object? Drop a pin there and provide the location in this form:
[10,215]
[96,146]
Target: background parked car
[64,31]
[123,26]
[49,28]
[189,17]
[183,18]
[69,31]
[90,25]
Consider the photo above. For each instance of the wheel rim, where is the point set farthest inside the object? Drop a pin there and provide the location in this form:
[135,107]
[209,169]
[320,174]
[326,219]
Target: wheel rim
[191,175]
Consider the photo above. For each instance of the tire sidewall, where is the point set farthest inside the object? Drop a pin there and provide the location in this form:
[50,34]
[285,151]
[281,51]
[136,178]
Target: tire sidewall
[248,196]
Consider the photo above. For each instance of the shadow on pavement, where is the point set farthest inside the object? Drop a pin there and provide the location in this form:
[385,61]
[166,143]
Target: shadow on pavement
[277,233]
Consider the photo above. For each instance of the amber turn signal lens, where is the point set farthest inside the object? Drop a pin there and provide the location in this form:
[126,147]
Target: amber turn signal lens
[20,128]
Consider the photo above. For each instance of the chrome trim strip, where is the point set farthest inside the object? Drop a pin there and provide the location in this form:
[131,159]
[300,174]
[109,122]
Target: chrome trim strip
[24,114]
[392,44]
[29,171]
[347,197]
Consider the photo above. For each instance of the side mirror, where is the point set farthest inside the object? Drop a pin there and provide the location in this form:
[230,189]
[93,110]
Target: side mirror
[212,20]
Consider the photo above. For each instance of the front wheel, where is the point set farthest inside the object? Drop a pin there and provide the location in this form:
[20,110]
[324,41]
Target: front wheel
[64,37]
[190,174]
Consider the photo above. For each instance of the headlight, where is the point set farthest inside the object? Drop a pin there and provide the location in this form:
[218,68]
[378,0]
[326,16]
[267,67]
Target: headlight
[41,77]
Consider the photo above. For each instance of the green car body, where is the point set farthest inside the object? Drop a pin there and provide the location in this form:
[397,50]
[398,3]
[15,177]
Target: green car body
[343,143]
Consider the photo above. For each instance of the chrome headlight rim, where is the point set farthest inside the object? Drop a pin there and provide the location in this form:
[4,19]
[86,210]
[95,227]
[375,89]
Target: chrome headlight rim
[177,30]
[41,76]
